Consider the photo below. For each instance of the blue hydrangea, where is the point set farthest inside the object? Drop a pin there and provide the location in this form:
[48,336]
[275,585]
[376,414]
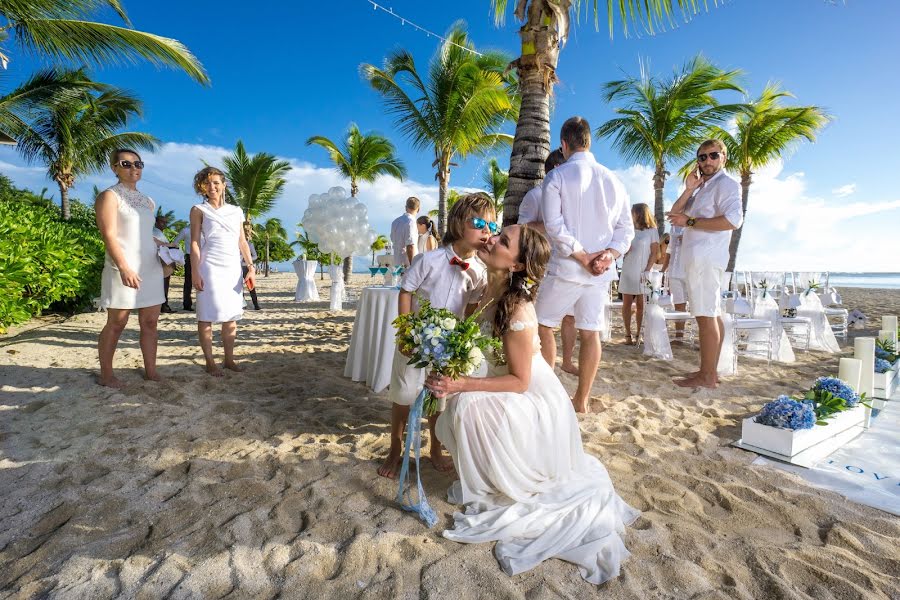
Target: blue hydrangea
[787,413]
[838,388]
[882,353]
[882,366]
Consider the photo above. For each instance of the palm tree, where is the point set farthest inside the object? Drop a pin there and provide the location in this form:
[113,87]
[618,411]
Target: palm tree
[75,137]
[256,181]
[544,31]
[268,231]
[378,245]
[456,111]
[62,31]
[667,119]
[362,157]
[452,197]
[765,131]
[496,180]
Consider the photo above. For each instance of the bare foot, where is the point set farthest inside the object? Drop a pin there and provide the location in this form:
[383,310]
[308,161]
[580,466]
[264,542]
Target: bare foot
[697,374]
[214,370]
[570,368]
[628,340]
[582,406]
[233,366]
[154,376]
[696,382]
[441,461]
[111,382]
[390,468]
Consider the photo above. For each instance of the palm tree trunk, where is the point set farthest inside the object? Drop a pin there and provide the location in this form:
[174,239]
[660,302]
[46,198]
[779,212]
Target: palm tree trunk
[443,177]
[267,255]
[746,180]
[64,201]
[659,182]
[536,68]
[348,262]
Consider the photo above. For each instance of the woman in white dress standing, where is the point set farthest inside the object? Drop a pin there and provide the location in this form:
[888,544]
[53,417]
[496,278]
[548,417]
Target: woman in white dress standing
[428,239]
[524,477]
[132,274]
[640,258]
[216,266]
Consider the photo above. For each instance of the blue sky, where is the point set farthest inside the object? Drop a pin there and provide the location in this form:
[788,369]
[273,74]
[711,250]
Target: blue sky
[284,71]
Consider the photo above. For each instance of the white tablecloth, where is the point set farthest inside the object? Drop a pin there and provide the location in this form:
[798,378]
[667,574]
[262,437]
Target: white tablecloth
[372,345]
[306,284]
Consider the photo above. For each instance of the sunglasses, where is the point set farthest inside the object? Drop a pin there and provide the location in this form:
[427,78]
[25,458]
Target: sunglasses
[711,155]
[127,164]
[479,223]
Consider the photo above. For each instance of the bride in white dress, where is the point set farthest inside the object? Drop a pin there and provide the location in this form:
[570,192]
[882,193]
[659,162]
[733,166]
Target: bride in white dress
[524,477]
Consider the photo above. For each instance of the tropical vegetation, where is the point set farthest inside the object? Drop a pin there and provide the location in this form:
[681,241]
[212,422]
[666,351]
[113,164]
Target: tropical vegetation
[255,181]
[456,109]
[496,181]
[273,238]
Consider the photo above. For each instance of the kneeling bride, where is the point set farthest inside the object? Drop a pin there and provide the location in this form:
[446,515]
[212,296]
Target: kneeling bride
[524,477]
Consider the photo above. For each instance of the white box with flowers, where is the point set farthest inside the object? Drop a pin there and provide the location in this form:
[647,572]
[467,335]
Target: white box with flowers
[884,382]
[789,442]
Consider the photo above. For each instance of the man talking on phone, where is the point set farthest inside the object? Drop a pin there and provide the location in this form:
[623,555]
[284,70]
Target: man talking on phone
[713,214]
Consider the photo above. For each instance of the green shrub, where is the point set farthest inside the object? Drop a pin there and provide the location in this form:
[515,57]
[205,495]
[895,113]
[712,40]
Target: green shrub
[45,262]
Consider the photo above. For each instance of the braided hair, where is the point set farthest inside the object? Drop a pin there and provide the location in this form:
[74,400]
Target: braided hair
[534,252]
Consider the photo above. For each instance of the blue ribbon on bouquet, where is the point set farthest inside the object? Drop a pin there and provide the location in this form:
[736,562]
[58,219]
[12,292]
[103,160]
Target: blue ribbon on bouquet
[414,440]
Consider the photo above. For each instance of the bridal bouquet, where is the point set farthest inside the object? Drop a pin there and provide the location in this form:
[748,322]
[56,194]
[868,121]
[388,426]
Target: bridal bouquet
[436,339]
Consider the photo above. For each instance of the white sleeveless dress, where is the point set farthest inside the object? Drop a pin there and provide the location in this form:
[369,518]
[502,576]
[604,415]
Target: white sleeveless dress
[222,298]
[525,479]
[635,261]
[134,231]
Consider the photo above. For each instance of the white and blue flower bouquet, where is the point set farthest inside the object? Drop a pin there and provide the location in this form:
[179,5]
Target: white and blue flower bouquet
[437,340]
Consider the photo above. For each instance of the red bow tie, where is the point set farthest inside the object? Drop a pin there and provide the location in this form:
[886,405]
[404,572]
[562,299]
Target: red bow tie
[459,263]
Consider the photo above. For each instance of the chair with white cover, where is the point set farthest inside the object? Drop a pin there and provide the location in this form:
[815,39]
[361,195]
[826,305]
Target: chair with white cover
[838,316]
[766,308]
[810,305]
[654,331]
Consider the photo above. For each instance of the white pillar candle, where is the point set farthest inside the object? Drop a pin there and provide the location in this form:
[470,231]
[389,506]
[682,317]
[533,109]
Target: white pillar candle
[850,370]
[889,322]
[864,350]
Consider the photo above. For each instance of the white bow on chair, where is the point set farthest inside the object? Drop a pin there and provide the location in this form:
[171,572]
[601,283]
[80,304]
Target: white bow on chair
[656,334]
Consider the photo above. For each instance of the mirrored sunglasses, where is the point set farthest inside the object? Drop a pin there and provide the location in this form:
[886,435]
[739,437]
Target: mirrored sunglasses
[127,164]
[479,223]
[711,155]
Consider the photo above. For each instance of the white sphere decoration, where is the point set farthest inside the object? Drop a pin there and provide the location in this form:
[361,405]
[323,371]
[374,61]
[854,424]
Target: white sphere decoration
[338,223]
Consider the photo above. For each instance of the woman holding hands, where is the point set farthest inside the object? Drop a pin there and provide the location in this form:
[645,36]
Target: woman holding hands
[216,266]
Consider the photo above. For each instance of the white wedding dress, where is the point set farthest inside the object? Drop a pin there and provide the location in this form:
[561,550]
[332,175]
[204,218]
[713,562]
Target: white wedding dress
[525,479]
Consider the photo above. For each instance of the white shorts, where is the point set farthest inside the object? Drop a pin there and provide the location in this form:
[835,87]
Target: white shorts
[560,297]
[406,383]
[678,291]
[703,283]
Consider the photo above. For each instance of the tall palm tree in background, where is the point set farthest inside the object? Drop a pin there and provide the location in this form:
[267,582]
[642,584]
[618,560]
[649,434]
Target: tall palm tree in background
[378,245]
[452,197]
[256,180]
[361,157]
[664,120]
[456,111]
[545,28]
[62,31]
[496,180]
[75,137]
[764,132]
[268,231]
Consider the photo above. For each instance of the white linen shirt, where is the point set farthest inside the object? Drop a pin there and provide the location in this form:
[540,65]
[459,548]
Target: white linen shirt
[585,207]
[403,234]
[720,196]
[433,278]
[530,207]
[184,236]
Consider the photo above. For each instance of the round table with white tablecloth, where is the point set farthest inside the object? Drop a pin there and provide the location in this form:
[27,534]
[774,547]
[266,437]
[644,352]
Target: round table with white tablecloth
[372,343]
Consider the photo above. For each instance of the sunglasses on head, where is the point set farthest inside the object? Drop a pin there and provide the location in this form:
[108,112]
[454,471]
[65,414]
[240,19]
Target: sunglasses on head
[479,223]
[711,155]
[127,164]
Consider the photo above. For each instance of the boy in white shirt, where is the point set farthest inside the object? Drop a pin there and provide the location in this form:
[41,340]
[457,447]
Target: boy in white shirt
[450,277]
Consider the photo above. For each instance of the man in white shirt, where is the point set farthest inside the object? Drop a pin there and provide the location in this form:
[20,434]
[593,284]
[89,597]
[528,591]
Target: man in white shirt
[185,236]
[404,234]
[714,213]
[587,218]
[161,240]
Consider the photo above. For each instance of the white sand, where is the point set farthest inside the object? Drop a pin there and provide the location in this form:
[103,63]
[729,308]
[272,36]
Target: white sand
[263,484]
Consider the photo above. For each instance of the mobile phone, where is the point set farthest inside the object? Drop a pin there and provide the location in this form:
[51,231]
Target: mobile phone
[249,283]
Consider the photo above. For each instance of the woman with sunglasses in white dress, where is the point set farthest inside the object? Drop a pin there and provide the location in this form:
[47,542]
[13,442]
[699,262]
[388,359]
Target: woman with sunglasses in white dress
[132,273]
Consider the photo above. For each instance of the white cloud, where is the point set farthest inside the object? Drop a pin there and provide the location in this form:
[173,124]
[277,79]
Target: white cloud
[844,190]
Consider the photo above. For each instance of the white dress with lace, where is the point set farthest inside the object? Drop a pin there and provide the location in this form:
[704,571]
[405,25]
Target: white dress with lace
[134,232]
[525,479]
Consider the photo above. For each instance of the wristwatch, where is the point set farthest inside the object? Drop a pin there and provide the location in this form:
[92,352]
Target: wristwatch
[691,222]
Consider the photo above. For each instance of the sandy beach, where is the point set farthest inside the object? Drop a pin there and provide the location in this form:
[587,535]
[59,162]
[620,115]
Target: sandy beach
[262,484]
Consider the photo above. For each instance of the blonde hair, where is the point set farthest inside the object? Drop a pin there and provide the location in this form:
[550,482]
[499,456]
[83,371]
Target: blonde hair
[534,253]
[642,216]
[201,179]
[467,207]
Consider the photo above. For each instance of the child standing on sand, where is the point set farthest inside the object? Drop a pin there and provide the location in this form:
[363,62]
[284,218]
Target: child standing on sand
[450,277]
